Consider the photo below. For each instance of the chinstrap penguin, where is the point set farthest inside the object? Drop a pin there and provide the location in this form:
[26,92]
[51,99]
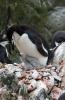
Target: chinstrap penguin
[29,42]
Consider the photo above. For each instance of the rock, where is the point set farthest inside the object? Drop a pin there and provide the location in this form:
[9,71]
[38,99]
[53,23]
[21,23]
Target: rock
[62,73]
[26,85]
[40,96]
[32,86]
[3,70]
[40,92]
[18,74]
[56,92]
[49,81]
[63,83]
[20,97]
[34,74]
[56,19]
[3,90]
[14,69]
[56,77]
[9,96]
[46,74]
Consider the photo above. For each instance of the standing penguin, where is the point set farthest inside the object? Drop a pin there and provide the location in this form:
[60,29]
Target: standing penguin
[58,38]
[29,42]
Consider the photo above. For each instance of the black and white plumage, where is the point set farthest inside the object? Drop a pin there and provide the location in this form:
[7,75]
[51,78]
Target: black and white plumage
[29,42]
[4,53]
[59,53]
[58,38]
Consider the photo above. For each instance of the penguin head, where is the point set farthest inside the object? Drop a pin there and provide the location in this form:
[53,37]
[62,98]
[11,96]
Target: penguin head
[9,33]
[58,38]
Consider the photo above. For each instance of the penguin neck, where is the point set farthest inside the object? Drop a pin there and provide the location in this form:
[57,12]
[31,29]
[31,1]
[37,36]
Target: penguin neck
[50,56]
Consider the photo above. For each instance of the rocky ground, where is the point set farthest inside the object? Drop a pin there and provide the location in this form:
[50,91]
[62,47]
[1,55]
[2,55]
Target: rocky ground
[19,83]
[28,80]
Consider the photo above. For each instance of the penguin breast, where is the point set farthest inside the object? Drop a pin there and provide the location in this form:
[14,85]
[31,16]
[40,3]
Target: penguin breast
[25,45]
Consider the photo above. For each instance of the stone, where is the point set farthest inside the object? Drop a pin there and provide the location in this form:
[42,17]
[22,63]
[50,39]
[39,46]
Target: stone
[56,19]
[40,92]
[56,92]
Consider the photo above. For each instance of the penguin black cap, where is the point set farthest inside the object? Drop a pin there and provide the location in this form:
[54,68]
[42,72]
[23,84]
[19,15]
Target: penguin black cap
[58,37]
